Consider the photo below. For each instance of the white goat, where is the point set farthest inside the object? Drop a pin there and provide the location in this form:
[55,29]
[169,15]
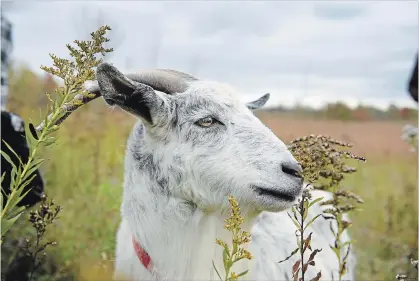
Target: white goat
[194,145]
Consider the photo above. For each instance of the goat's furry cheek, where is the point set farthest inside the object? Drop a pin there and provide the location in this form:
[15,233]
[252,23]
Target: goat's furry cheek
[207,198]
[191,194]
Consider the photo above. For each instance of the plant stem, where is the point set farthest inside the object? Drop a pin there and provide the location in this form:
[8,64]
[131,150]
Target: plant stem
[34,152]
[19,182]
[302,237]
[34,266]
[339,232]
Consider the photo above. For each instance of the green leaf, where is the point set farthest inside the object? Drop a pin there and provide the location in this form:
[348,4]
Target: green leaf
[8,159]
[16,196]
[219,276]
[294,211]
[45,122]
[225,259]
[26,182]
[242,273]
[16,175]
[346,243]
[292,253]
[294,221]
[14,153]
[24,194]
[311,221]
[33,167]
[12,201]
[12,209]
[2,200]
[315,201]
[7,223]
[48,141]
[305,204]
[234,249]
[16,212]
[32,143]
[16,178]
[331,229]
[15,170]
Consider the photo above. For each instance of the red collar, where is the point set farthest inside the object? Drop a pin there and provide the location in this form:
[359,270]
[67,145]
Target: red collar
[142,255]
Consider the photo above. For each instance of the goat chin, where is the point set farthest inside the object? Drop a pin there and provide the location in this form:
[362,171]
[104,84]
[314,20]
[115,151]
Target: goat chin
[185,251]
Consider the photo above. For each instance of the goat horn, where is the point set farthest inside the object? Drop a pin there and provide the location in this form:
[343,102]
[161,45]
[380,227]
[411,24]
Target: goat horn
[164,80]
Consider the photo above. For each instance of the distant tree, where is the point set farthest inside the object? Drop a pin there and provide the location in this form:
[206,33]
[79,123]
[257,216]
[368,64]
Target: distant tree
[393,112]
[25,88]
[49,85]
[338,111]
[361,113]
[404,113]
[408,113]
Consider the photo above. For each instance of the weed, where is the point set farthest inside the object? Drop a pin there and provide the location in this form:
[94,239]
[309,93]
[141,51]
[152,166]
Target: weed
[239,237]
[70,96]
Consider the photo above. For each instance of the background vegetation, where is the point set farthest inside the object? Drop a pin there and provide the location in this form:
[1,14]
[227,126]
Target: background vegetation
[84,172]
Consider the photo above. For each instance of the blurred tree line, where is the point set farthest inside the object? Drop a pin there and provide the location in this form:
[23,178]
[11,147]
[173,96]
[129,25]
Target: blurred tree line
[340,111]
[27,91]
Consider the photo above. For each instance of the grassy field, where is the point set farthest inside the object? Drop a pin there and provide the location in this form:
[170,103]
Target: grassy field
[85,168]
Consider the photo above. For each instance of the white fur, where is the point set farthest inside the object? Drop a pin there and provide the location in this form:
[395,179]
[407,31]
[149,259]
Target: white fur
[185,251]
[17,123]
[177,180]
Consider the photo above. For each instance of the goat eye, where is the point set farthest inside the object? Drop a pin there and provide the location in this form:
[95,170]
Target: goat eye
[206,122]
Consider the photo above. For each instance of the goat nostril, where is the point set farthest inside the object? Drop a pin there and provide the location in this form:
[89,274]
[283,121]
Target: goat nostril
[292,169]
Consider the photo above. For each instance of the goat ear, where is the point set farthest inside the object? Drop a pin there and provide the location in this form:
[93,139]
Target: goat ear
[259,102]
[135,98]
[112,82]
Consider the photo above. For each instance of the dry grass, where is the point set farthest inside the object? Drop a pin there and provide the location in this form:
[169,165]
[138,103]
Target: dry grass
[370,138]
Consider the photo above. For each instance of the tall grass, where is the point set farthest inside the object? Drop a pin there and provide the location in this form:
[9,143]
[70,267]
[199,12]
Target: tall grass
[386,232]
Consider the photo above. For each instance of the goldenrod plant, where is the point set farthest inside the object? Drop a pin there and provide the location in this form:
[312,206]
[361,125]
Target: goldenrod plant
[239,238]
[300,212]
[324,167]
[40,219]
[74,73]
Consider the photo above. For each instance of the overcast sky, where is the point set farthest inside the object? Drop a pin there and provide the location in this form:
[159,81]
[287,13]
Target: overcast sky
[306,51]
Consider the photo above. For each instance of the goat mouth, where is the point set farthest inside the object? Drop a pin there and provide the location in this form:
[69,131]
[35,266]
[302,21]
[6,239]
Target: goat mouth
[275,193]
